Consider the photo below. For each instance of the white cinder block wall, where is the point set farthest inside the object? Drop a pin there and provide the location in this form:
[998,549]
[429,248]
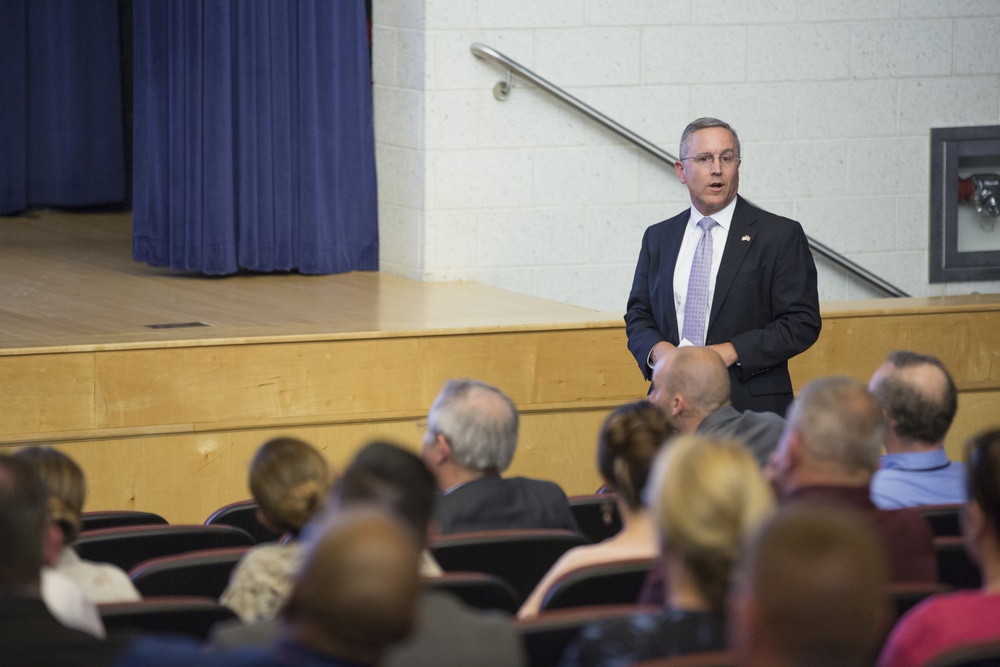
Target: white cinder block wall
[833,101]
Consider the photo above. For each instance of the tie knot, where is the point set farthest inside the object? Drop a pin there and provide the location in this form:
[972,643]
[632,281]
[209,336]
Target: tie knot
[706,224]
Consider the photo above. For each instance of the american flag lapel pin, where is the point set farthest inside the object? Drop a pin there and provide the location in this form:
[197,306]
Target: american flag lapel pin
[745,237]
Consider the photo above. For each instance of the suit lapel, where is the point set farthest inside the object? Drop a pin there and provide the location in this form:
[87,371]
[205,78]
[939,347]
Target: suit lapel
[737,245]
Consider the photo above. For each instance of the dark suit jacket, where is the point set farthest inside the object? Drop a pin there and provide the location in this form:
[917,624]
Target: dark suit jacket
[765,301]
[496,503]
[30,635]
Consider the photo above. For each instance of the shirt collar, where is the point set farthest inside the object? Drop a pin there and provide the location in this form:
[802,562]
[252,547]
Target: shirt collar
[916,461]
[723,217]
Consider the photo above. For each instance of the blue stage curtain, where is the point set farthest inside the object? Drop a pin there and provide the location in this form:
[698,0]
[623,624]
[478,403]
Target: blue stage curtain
[61,128]
[254,146]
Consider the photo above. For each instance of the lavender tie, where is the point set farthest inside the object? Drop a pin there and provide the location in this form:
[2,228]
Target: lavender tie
[696,305]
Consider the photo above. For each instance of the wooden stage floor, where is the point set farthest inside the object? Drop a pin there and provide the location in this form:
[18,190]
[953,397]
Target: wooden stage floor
[165,418]
[69,280]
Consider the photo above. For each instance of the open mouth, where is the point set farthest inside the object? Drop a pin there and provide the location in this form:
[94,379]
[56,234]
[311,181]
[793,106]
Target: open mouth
[716,186]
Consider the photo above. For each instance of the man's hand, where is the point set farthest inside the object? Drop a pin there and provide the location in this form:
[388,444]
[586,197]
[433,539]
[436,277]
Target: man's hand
[726,351]
[660,350]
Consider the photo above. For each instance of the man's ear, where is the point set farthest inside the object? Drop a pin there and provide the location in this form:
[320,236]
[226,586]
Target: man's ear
[679,168]
[677,405]
[53,544]
[441,451]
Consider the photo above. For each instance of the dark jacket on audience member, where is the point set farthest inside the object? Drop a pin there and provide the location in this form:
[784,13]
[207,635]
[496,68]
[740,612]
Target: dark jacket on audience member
[30,635]
[496,503]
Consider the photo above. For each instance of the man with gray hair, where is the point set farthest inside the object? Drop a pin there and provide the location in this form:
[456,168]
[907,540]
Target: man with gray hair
[828,454]
[919,399]
[470,439]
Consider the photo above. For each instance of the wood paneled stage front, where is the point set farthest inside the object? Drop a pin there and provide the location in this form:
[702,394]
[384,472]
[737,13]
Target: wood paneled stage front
[162,386]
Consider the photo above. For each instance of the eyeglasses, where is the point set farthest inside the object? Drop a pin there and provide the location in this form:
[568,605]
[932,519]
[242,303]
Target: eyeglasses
[707,159]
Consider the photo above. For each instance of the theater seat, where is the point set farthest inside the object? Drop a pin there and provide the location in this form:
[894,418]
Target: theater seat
[907,595]
[547,635]
[116,518]
[604,584]
[128,546]
[705,659]
[955,568]
[204,572]
[191,616]
[519,557]
[944,519]
[596,515]
[477,589]
[243,514]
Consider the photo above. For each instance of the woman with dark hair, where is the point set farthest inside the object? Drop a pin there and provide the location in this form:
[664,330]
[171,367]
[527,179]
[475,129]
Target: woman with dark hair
[628,442]
[951,620]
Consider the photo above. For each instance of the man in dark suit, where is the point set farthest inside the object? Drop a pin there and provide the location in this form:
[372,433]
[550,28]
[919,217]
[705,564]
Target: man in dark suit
[726,275]
[470,439]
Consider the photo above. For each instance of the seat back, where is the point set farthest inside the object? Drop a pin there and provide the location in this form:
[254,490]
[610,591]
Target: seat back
[477,590]
[191,616]
[982,654]
[520,557]
[116,518]
[128,546]
[243,514]
[201,573]
[596,515]
[955,568]
[603,584]
[907,595]
[943,519]
[547,635]
[703,659]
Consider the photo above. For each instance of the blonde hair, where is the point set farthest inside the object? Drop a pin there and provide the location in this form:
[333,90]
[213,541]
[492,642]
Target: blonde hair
[707,494]
[289,479]
[65,485]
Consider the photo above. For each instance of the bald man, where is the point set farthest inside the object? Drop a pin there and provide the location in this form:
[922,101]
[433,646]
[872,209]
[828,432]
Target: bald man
[691,386]
[355,595]
[919,400]
[811,590]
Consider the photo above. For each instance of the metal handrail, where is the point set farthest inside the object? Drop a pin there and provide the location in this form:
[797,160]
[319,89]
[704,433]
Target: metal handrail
[503,88]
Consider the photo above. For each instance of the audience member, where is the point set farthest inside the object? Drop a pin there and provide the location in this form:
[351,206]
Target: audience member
[470,439]
[628,442]
[919,401]
[29,633]
[692,387]
[447,632]
[811,590]
[67,488]
[289,479]
[951,620]
[829,452]
[355,596]
[706,495]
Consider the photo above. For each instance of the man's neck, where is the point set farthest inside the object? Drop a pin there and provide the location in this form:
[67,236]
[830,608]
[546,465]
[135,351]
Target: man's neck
[450,476]
[826,476]
[896,445]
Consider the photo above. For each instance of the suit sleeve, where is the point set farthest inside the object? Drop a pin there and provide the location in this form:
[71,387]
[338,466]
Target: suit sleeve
[640,322]
[794,304]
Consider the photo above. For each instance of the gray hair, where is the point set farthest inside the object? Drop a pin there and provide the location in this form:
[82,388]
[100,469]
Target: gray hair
[839,422]
[480,423]
[703,124]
